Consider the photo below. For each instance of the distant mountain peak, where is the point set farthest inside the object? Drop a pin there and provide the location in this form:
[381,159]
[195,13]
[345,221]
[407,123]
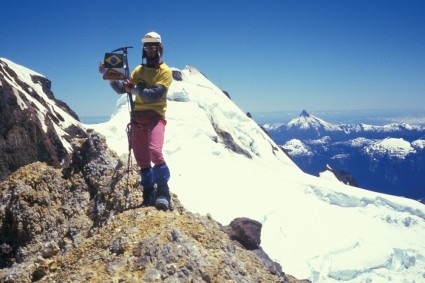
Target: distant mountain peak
[304,113]
[307,122]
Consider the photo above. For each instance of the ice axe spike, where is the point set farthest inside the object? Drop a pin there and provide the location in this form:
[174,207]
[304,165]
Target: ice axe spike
[124,49]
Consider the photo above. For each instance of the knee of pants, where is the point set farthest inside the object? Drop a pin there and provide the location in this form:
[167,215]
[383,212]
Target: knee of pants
[161,174]
[156,155]
[157,159]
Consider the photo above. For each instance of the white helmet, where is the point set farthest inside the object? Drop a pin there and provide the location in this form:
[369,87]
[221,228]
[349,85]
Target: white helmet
[152,37]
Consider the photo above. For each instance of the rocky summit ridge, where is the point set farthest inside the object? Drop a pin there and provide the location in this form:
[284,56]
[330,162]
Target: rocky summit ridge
[79,227]
[76,216]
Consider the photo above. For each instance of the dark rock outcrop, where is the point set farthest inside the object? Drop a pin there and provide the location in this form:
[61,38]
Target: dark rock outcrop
[342,176]
[44,205]
[230,143]
[246,231]
[29,123]
[177,75]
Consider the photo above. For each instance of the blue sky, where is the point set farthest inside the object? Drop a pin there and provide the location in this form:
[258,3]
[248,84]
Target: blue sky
[269,55]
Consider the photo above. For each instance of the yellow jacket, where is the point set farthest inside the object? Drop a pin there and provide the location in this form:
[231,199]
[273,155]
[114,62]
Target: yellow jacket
[146,77]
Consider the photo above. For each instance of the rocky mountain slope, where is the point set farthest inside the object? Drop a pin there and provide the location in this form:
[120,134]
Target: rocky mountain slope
[34,125]
[59,230]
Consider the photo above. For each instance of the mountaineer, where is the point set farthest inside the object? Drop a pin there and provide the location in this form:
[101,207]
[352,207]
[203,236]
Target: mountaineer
[149,83]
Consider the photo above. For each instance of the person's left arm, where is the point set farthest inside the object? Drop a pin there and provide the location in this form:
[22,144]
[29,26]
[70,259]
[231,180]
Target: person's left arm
[157,91]
[150,94]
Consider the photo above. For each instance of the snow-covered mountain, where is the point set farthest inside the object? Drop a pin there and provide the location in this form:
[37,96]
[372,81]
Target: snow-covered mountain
[223,164]
[307,122]
[387,159]
[307,126]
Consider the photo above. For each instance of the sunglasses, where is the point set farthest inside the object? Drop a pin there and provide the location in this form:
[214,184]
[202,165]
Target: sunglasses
[150,48]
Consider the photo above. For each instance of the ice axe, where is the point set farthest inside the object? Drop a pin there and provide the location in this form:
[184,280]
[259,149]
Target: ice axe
[116,63]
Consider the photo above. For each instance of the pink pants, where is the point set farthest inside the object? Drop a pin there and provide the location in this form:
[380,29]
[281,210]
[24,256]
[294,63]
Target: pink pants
[147,138]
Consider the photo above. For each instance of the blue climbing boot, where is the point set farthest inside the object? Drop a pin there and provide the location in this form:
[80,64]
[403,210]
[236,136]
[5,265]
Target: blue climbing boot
[163,198]
[148,187]
[161,176]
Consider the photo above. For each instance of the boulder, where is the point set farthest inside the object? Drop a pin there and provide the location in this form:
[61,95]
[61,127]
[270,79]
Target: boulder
[246,231]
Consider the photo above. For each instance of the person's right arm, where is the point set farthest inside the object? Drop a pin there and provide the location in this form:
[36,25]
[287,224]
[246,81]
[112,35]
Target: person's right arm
[118,86]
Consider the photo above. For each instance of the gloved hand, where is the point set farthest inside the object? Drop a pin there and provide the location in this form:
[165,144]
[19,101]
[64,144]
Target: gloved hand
[128,86]
[138,89]
[101,67]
